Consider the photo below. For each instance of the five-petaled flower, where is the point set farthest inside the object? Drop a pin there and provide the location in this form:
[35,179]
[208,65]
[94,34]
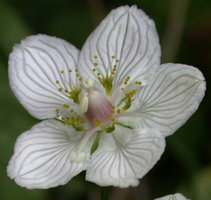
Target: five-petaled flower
[106,109]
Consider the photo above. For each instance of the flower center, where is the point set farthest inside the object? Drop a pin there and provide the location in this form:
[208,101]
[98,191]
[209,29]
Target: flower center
[96,107]
[99,108]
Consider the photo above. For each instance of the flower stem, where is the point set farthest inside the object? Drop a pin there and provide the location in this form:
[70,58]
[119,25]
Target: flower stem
[105,193]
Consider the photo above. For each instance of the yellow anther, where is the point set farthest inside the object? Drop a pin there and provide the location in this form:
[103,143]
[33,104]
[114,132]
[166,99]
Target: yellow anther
[62,71]
[80,79]
[98,73]
[112,57]
[97,122]
[117,60]
[130,94]
[127,95]
[71,110]
[112,119]
[95,57]
[70,70]
[66,91]
[113,111]
[66,106]
[115,66]
[77,75]
[112,73]
[138,82]
[94,69]
[60,89]
[95,64]
[113,107]
[133,92]
[57,81]
[57,110]
[118,110]
[76,70]
[126,80]
[122,89]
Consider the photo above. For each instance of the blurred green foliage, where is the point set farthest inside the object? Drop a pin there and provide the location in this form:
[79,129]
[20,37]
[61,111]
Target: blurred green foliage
[186,164]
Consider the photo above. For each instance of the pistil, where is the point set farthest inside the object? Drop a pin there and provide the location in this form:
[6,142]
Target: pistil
[99,108]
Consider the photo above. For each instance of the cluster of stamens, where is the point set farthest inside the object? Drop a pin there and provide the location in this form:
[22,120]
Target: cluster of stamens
[128,98]
[72,118]
[65,114]
[107,78]
[125,102]
[108,127]
[127,80]
[74,90]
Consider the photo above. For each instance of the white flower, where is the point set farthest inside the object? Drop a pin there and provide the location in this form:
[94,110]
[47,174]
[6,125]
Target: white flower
[106,109]
[176,196]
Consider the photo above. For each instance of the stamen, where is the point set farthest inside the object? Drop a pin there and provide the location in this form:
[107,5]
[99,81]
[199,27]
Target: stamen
[97,122]
[138,82]
[83,101]
[66,106]
[69,117]
[74,88]
[127,80]
[112,119]
[106,78]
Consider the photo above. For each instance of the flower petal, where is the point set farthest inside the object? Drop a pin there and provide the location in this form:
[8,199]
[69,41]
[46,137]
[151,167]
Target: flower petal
[127,38]
[125,156]
[171,97]
[42,156]
[39,73]
[176,196]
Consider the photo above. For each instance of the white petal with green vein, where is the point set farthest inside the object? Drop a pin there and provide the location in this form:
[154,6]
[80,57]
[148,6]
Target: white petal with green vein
[171,97]
[42,156]
[129,35]
[125,156]
[38,67]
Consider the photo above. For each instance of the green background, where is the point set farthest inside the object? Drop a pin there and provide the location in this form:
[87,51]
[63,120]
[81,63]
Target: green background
[184,27]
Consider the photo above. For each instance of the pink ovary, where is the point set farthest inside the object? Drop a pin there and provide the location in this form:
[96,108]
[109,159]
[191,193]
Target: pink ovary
[99,108]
